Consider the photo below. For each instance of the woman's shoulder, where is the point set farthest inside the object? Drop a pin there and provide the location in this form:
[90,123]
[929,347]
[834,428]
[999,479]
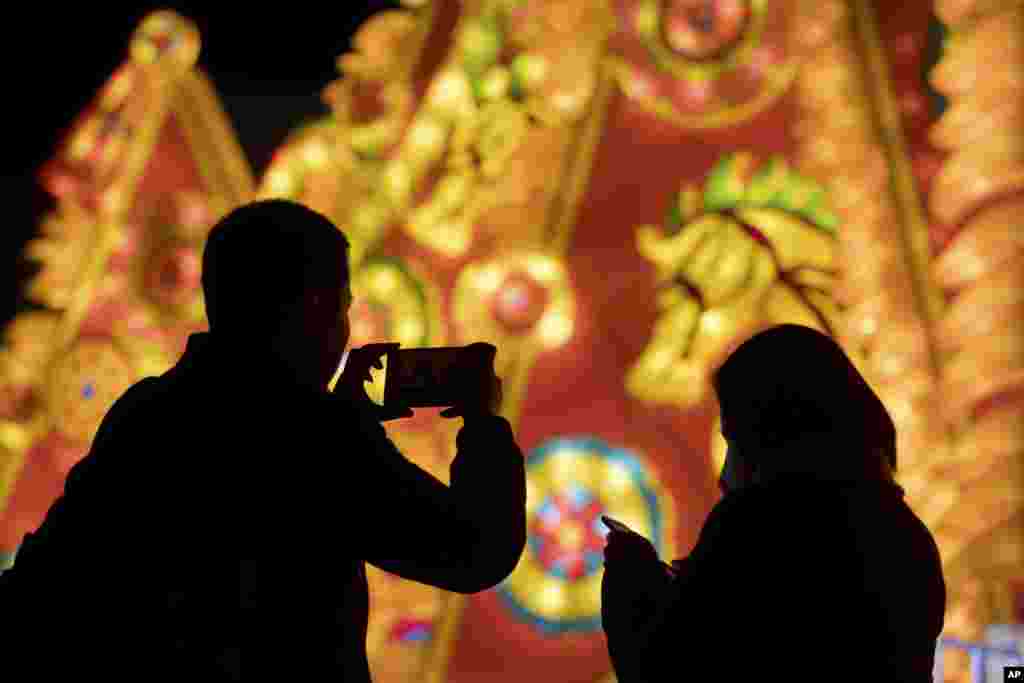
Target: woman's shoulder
[736,511]
[795,503]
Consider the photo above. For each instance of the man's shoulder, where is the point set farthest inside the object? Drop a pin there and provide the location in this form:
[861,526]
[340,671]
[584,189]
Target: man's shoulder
[137,399]
[134,399]
[143,390]
[120,421]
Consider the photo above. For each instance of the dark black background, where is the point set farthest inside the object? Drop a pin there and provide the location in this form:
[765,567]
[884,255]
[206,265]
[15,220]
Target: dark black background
[268,61]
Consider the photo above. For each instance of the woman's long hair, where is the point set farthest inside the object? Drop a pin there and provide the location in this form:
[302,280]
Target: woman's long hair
[791,385]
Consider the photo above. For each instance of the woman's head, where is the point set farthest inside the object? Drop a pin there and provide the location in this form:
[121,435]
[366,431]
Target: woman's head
[791,385]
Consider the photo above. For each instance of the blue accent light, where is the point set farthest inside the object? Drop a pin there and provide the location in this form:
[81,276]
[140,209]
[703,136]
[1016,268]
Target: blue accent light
[417,635]
[580,497]
[550,514]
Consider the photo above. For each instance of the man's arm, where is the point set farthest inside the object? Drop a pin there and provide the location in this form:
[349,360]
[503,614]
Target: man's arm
[464,538]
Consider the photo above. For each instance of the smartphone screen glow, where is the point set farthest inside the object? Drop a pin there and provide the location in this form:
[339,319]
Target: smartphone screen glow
[338,371]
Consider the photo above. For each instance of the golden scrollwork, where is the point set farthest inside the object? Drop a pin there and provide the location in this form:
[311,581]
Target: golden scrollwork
[62,250]
[881,326]
[495,119]
[106,329]
[707,65]
[344,165]
[980,335]
[485,144]
[980,73]
[897,331]
[754,248]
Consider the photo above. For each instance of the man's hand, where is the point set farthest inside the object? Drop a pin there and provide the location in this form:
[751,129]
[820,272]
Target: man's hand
[485,397]
[357,372]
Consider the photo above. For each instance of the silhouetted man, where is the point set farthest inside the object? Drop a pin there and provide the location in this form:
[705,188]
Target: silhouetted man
[218,528]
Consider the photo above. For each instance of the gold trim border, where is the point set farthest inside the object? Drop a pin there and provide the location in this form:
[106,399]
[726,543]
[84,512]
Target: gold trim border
[578,168]
[928,300]
[776,87]
[108,219]
[224,169]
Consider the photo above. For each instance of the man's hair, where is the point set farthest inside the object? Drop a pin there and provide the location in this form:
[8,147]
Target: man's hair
[260,259]
[791,380]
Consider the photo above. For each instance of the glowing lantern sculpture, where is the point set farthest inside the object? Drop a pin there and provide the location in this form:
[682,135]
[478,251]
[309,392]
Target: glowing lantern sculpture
[615,193]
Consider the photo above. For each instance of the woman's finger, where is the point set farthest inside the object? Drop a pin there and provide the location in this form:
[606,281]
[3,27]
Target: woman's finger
[629,544]
[625,534]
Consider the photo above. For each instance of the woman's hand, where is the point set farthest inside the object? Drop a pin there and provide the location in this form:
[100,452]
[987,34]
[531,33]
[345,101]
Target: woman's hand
[626,547]
[634,591]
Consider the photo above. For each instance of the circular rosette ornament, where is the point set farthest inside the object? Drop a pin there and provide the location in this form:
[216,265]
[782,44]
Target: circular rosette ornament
[167,41]
[392,302]
[703,63]
[701,31]
[523,297]
[157,258]
[571,482]
[83,384]
[173,275]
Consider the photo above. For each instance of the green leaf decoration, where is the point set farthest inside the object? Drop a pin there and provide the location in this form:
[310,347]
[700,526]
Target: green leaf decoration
[723,189]
[768,183]
[527,70]
[774,185]
[482,43]
[476,84]
[410,281]
[674,219]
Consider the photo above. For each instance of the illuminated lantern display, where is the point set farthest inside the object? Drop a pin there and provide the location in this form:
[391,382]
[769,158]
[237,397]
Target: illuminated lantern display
[615,193]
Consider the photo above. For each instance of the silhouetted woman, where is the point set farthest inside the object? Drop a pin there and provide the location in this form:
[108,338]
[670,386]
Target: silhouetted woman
[811,567]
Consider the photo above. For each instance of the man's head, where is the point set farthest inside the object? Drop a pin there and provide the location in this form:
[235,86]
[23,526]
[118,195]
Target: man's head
[275,273]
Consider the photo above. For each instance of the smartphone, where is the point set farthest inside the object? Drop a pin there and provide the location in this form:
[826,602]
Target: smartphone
[616,525]
[435,377]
